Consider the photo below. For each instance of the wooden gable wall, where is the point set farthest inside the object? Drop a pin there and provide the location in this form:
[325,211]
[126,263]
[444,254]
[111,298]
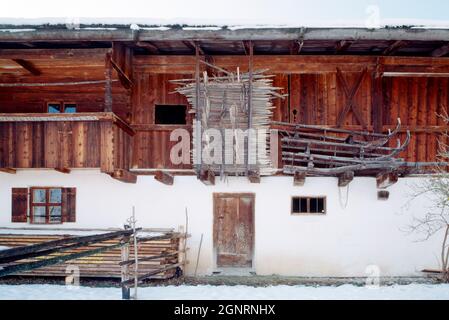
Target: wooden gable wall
[313,84]
[316,96]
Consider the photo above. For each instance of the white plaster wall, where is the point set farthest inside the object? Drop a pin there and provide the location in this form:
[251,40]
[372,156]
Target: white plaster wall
[342,243]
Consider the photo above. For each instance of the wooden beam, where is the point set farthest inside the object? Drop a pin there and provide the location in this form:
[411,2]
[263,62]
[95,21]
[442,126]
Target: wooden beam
[192,45]
[124,176]
[250,102]
[8,170]
[124,79]
[345,178]
[294,64]
[350,95]
[342,46]
[296,46]
[198,112]
[247,47]
[441,51]
[299,179]
[28,66]
[63,170]
[386,179]
[254,176]
[149,46]
[22,252]
[76,55]
[164,177]
[377,98]
[108,84]
[394,47]
[383,195]
[207,177]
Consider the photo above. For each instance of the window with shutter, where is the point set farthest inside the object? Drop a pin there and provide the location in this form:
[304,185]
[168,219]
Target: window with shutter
[47,205]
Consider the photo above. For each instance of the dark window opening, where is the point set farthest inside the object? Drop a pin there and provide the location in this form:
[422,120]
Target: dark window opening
[170,114]
[308,205]
[69,108]
[60,107]
[54,108]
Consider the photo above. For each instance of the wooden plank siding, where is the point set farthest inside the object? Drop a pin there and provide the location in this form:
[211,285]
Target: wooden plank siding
[101,143]
[152,142]
[315,96]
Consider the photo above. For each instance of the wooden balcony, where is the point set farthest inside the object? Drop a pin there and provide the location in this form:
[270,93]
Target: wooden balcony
[65,141]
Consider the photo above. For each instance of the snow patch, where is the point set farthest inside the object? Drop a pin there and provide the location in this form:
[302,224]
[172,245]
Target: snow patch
[239,292]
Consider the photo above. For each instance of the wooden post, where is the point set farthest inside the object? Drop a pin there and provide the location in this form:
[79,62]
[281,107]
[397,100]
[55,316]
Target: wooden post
[125,267]
[136,255]
[250,108]
[377,97]
[345,178]
[299,179]
[164,177]
[386,179]
[181,246]
[207,177]
[108,83]
[198,112]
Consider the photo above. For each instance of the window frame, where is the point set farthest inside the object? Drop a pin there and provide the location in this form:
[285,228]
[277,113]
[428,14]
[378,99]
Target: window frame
[47,204]
[308,213]
[62,106]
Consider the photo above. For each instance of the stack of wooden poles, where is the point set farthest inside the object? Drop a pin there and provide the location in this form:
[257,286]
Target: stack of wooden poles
[236,102]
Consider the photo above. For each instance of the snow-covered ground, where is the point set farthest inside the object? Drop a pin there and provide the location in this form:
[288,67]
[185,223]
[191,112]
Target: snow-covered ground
[60,292]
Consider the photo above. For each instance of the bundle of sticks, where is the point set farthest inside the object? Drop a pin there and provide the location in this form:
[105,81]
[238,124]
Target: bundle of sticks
[235,102]
[328,151]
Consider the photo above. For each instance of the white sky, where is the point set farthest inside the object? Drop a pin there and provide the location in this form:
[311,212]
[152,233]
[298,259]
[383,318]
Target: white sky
[290,12]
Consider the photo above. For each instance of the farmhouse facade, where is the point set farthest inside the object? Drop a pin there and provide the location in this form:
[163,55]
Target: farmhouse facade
[96,120]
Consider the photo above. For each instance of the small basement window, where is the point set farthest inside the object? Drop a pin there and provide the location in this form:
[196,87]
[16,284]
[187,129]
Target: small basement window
[308,205]
[170,114]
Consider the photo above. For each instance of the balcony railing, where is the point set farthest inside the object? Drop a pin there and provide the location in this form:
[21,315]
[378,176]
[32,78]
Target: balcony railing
[65,141]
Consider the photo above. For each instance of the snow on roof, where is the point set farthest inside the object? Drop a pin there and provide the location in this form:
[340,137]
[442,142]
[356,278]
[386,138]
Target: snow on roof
[209,24]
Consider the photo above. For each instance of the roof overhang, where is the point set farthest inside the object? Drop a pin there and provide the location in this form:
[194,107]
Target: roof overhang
[122,33]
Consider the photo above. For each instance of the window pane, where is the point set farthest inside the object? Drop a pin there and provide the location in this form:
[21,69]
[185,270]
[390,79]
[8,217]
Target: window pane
[70,108]
[39,196]
[313,205]
[321,205]
[54,108]
[55,195]
[303,206]
[38,214]
[295,205]
[55,214]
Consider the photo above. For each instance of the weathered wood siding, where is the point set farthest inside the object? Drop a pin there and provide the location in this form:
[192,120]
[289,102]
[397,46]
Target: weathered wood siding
[64,144]
[152,142]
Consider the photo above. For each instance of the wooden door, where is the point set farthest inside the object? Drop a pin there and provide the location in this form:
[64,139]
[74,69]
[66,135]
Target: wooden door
[234,229]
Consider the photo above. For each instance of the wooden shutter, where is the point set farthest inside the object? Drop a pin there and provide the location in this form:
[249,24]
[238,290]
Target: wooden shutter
[68,204]
[19,205]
